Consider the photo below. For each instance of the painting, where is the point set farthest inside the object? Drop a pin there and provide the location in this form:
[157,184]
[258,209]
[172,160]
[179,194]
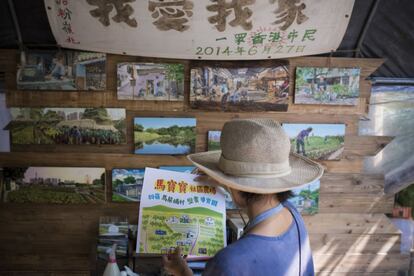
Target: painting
[240,89]
[184,169]
[172,136]
[150,81]
[62,70]
[56,185]
[317,141]
[127,184]
[76,126]
[322,85]
[306,198]
[213,142]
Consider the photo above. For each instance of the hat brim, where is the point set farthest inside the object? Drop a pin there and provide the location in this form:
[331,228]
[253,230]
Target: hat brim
[303,171]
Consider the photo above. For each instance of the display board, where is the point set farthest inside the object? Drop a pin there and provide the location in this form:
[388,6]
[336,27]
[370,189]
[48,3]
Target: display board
[349,235]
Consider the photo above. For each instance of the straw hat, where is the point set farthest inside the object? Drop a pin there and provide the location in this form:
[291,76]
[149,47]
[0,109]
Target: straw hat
[255,157]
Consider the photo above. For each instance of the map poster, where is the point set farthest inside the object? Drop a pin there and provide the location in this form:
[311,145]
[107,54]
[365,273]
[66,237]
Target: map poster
[176,210]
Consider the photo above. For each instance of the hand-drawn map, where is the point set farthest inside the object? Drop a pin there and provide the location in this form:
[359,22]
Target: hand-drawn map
[176,210]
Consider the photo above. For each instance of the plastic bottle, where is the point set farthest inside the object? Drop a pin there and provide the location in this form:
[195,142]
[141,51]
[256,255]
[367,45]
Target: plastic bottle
[112,268]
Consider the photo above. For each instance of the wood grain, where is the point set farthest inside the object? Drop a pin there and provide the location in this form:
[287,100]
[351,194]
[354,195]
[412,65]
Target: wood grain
[350,235]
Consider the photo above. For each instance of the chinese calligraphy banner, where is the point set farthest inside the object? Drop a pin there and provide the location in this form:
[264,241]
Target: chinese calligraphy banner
[202,29]
[177,210]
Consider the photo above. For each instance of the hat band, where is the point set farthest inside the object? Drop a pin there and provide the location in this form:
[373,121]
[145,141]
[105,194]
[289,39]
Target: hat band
[250,169]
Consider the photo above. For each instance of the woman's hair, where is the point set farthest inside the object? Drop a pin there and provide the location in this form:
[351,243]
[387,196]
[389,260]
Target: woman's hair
[252,197]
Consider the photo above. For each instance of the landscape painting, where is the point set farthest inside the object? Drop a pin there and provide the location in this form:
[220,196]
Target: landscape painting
[240,89]
[62,70]
[306,198]
[213,142]
[57,185]
[317,141]
[172,136]
[127,184]
[183,169]
[75,126]
[151,81]
[332,86]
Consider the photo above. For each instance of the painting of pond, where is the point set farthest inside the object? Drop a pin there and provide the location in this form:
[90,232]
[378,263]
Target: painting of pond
[173,136]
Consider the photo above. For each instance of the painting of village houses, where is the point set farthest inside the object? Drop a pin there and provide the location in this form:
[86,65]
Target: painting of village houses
[62,70]
[127,184]
[76,126]
[57,185]
[306,198]
[332,86]
[234,89]
[150,81]
[317,141]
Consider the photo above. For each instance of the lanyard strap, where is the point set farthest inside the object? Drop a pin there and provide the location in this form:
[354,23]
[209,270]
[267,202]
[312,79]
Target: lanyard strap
[262,217]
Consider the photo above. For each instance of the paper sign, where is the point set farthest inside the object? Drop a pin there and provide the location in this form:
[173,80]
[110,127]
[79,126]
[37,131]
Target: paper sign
[176,210]
[202,29]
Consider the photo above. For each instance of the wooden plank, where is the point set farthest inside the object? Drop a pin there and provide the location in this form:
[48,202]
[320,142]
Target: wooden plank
[365,145]
[341,223]
[343,183]
[355,203]
[56,262]
[115,160]
[360,263]
[354,243]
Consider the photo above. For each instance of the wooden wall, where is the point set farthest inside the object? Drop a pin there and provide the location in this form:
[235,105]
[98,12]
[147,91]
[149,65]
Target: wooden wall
[350,236]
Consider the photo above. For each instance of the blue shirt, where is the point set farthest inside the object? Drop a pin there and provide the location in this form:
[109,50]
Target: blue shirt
[260,255]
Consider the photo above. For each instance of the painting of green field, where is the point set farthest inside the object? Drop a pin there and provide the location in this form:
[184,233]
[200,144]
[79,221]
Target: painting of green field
[57,185]
[198,231]
[317,141]
[164,135]
[214,140]
[76,126]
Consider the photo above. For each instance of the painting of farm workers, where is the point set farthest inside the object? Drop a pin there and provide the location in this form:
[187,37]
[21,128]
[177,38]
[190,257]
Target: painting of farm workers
[62,70]
[317,141]
[332,86]
[74,126]
[234,89]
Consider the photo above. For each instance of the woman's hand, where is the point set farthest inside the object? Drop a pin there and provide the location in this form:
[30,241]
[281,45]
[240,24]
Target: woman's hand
[175,264]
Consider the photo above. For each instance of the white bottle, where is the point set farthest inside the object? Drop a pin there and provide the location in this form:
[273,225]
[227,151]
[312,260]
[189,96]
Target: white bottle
[112,268]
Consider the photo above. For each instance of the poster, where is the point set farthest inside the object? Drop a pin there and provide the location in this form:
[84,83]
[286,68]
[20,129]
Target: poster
[306,198]
[176,210]
[202,29]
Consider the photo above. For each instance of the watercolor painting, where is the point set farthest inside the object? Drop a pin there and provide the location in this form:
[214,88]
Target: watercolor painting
[62,70]
[322,85]
[173,136]
[306,198]
[75,126]
[150,81]
[240,89]
[127,184]
[317,141]
[57,185]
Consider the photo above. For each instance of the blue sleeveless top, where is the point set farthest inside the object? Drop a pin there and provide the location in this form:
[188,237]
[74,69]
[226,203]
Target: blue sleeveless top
[261,255]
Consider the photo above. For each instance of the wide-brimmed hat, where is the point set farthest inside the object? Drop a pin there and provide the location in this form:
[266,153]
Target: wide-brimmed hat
[255,157]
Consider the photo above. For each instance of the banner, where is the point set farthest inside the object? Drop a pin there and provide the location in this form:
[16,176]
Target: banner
[201,29]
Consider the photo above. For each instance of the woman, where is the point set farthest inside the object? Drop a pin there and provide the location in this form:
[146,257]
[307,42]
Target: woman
[256,166]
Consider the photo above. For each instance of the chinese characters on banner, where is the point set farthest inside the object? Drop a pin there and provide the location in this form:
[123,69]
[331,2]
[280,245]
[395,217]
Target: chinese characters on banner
[175,209]
[202,29]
